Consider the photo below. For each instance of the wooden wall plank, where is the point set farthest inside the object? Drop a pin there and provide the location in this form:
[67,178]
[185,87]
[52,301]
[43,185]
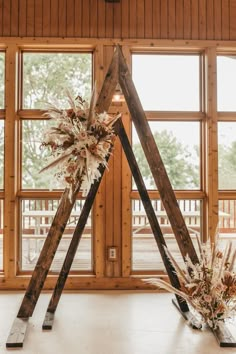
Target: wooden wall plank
[212,158]
[14,19]
[171,19]
[6,18]
[232,20]
[132,18]
[187,20]
[78,18]
[1,17]
[70,18]
[46,18]
[85,18]
[202,19]
[156,19]
[93,18]
[225,19]
[54,18]
[117,20]
[39,18]
[109,198]
[210,19]
[124,19]
[148,26]
[164,19]
[62,18]
[99,204]
[10,202]
[126,206]
[22,19]
[109,20]
[101,19]
[217,19]
[140,18]
[30,20]
[179,19]
[195,20]
[117,206]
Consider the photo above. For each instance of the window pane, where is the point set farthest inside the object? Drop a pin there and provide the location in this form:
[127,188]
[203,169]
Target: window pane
[34,158]
[179,146]
[226,83]
[46,76]
[145,253]
[1,153]
[36,219]
[1,235]
[2,80]
[167,82]
[227,155]
[227,219]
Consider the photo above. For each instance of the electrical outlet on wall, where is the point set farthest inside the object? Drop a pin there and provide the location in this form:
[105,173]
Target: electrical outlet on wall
[112,253]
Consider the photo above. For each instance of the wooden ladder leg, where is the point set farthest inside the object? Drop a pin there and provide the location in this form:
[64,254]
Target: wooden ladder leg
[49,317]
[150,211]
[18,330]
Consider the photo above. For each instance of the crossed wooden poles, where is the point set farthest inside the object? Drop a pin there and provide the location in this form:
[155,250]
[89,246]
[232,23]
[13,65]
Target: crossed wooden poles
[117,73]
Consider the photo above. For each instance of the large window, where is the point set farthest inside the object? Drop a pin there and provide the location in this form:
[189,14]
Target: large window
[189,102]
[48,78]
[167,82]
[226,78]
[171,83]
[145,252]
[36,219]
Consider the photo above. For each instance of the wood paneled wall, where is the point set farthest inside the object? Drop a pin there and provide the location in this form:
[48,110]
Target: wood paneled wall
[151,19]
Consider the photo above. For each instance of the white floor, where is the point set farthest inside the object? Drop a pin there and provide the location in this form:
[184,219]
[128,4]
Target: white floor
[111,322]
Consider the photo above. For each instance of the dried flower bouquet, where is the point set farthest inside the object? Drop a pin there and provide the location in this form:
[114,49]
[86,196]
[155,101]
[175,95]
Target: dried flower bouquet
[79,142]
[208,286]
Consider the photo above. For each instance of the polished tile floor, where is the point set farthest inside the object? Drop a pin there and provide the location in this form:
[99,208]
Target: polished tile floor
[110,322]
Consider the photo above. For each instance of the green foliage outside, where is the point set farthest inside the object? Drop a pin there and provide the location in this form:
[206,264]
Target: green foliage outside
[183,174]
[47,76]
[34,157]
[227,166]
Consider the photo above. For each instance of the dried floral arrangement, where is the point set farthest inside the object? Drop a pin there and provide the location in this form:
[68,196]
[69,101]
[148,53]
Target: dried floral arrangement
[79,142]
[208,286]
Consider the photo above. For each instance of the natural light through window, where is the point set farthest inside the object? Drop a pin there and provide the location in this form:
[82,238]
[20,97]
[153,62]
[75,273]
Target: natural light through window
[179,146]
[226,83]
[167,82]
[2,79]
[47,76]
[1,153]
[227,155]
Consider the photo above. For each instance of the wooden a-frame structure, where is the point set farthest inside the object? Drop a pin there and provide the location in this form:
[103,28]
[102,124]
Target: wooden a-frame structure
[117,73]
